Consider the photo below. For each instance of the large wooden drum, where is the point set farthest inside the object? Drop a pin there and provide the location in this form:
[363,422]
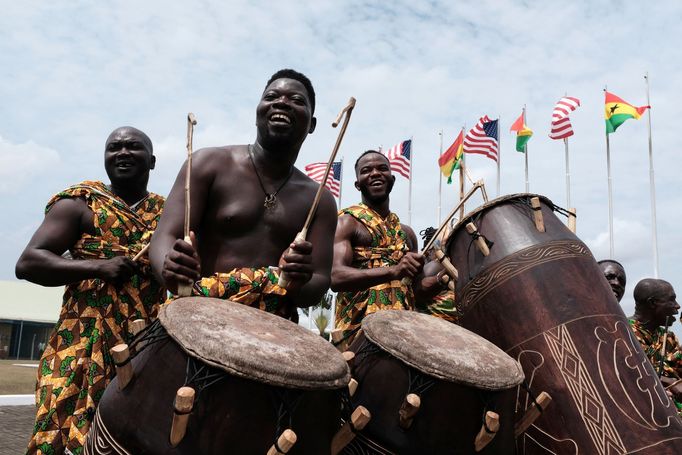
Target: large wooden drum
[457,376]
[542,298]
[254,374]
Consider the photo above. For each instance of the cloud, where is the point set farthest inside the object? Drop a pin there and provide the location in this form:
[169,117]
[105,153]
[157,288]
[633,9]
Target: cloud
[21,163]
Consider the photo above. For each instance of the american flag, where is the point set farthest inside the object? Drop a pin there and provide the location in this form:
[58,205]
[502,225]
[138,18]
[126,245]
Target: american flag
[316,172]
[399,157]
[561,124]
[483,138]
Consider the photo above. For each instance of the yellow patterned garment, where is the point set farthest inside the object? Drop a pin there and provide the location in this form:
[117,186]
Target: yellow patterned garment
[443,306]
[253,286]
[76,365]
[389,245]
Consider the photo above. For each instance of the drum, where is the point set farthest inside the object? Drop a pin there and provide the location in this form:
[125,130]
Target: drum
[540,296]
[254,375]
[458,377]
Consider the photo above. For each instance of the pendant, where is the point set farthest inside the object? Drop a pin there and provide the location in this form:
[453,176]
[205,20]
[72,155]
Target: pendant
[270,201]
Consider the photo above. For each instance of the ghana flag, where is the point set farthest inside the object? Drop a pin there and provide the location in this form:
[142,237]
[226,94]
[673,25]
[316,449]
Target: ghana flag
[523,133]
[450,160]
[617,111]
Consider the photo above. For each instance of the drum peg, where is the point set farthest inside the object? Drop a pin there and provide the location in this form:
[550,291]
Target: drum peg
[284,443]
[184,402]
[408,410]
[532,413]
[137,326]
[447,265]
[537,214]
[338,341]
[352,386]
[478,239]
[491,424]
[124,370]
[358,420]
[571,219]
[349,357]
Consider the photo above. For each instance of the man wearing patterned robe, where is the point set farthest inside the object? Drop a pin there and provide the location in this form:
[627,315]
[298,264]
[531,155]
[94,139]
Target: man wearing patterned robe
[103,227]
[373,251]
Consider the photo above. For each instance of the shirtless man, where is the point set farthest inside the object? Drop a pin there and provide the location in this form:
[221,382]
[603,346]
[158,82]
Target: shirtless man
[248,202]
[373,251]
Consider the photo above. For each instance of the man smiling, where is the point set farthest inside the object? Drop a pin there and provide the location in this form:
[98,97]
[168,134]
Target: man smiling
[373,251]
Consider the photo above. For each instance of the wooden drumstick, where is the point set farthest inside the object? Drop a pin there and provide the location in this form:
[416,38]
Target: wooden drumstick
[184,402]
[571,219]
[478,239]
[185,289]
[124,370]
[488,430]
[358,420]
[285,442]
[668,387]
[532,413]
[537,214]
[408,410]
[141,253]
[301,236]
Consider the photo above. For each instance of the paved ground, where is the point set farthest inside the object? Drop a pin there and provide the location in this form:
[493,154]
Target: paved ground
[16,423]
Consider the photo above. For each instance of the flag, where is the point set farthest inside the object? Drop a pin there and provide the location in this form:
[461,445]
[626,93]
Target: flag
[316,172]
[617,111]
[451,159]
[561,124]
[523,133]
[399,158]
[483,138]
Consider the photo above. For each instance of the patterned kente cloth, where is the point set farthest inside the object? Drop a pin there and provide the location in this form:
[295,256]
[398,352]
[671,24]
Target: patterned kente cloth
[76,365]
[652,343]
[389,245]
[253,286]
[443,306]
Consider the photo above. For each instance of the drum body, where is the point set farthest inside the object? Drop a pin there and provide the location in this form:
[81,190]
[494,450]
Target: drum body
[232,413]
[451,413]
[542,298]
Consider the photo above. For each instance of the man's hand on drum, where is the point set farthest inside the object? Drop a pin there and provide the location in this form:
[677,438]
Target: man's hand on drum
[409,266]
[297,263]
[181,265]
[675,391]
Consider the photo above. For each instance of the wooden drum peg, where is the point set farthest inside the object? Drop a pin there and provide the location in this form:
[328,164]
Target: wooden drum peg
[284,443]
[571,219]
[184,402]
[447,265]
[343,437]
[532,413]
[478,239]
[124,370]
[136,326]
[338,341]
[408,410]
[488,430]
[537,214]
[349,357]
[352,386]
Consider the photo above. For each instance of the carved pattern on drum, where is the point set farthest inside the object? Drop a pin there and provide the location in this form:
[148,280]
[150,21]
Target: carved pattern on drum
[100,442]
[583,391]
[517,263]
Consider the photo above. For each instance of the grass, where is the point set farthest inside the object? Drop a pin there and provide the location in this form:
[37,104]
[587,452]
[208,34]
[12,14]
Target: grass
[17,380]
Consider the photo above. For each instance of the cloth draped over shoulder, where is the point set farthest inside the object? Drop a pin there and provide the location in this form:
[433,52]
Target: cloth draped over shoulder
[389,244]
[76,365]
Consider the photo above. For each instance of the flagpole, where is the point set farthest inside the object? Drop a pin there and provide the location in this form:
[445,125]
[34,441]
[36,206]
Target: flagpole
[461,179]
[608,173]
[525,150]
[440,176]
[568,176]
[654,235]
[499,154]
[340,183]
[409,188]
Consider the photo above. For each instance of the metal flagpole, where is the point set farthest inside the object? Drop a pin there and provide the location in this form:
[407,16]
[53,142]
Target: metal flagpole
[568,176]
[340,183]
[409,188]
[440,176]
[608,173]
[525,150]
[461,178]
[499,153]
[654,235]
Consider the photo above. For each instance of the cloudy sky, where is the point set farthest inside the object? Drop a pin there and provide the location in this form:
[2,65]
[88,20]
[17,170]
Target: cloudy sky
[70,72]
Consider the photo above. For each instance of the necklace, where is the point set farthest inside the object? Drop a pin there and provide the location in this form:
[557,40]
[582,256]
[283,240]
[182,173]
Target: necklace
[270,198]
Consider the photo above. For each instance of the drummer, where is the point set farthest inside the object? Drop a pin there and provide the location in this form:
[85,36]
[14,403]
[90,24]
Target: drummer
[373,251]
[614,272]
[655,307]
[247,204]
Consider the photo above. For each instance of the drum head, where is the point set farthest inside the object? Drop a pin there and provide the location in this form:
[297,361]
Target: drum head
[442,349]
[254,344]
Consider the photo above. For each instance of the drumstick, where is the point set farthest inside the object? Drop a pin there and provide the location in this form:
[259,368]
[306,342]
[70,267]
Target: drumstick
[141,253]
[301,236]
[665,340]
[184,289]
[668,387]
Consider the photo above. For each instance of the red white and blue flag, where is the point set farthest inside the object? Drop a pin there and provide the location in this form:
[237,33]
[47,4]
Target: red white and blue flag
[399,158]
[561,123]
[316,172]
[483,139]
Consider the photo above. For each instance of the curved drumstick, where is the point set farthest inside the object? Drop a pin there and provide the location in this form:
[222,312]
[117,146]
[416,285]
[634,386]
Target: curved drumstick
[301,236]
[185,290]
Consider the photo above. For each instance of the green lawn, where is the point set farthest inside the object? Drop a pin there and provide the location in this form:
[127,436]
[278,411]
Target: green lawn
[15,379]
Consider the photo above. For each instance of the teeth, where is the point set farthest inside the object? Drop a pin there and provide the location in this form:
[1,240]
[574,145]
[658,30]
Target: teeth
[281,117]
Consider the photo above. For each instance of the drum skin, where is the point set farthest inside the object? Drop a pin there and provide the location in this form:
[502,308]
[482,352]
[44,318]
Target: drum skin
[235,415]
[541,297]
[448,420]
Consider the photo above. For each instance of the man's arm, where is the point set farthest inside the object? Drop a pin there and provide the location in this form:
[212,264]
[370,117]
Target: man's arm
[42,263]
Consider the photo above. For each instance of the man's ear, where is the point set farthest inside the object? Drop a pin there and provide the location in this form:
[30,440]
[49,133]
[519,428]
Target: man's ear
[393,176]
[313,124]
[152,163]
[357,185]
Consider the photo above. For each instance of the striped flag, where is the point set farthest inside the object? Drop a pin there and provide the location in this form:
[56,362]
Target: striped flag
[561,124]
[399,157]
[316,172]
[483,139]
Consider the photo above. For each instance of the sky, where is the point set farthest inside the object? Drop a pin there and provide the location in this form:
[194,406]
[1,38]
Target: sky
[70,72]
